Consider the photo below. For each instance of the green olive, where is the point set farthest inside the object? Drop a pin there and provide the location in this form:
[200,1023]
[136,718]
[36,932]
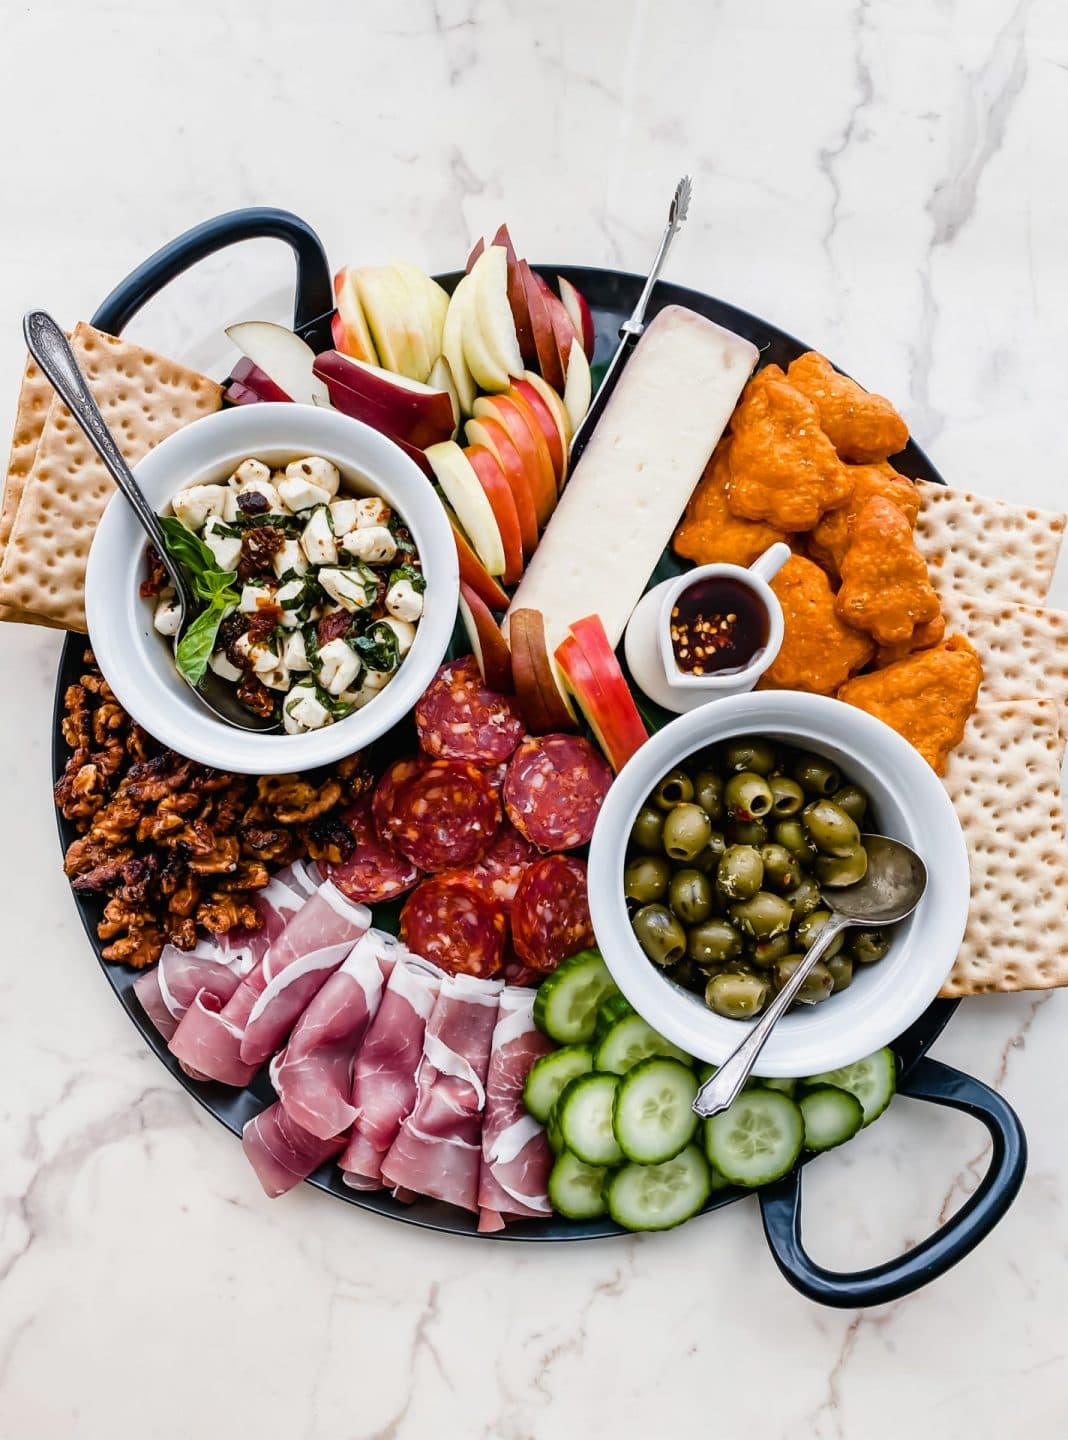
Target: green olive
[736,995]
[809,928]
[708,792]
[787,797]
[659,934]
[747,796]
[851,799]
[747,832]
[832,830]
[713,941]
[867,946]
[773,947]
[690,896]
[750,754]
[816,776]
[709,857]
[647,830]
[646,878]
[740,873]
[687,830]
[841,968]
[816,986]
[689,975]
[833,870]
[804,898]
[793,835]
[781,870]
[763,915]
[676,788]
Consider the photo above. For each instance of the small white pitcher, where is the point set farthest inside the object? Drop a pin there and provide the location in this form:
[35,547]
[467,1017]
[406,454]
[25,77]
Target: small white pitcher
[651,656]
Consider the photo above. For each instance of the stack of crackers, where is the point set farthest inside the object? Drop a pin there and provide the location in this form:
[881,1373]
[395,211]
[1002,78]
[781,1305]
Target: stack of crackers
[56,487]
[992,564]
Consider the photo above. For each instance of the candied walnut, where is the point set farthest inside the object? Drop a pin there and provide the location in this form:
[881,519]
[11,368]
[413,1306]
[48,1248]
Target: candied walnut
[184,896]
[862,427]
[927,697]
[254,694]
[885,589]
[139,876]
[151,780]
[328,838]
[258,548]
[160,828]
[110,758]
[819,652]
[156,577]
[268,842]
[90,851]
[97,685]
[333,626]
[249,875]
[117,820]
[81,790]
[182,932]
[141,947]
[228,912]
[709,533]
[221,859]
[172,874]
[294,800]
[829,541]
[76,721]
[783,469]
[139,744]
[104,875]
[108,719]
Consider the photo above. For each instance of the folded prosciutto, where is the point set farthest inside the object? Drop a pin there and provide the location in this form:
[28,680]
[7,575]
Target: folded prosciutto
[438,1150]
[383,1082]
[281,1152]
[516,1158]
[277,903]
[313,1074]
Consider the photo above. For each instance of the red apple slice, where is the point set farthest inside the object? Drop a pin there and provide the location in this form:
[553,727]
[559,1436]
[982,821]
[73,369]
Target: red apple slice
[413,452]
[247,373]
[564,332]
[517,299]
[502,502]
[577,307]
[238,394]
[491,434]
[552,429]
[472,571]
[544,707]
[578,388]
[349,325]
[528,440]
[542,325]
[489,646]
[594,677]
[430,302]
[283,356]
[396,319]
[480,245]
[465,494]
[452,344]
[399,407]
[494,312]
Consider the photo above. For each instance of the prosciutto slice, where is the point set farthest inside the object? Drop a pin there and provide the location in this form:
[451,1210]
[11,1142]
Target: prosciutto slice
[516,1158]
[313,1075]
[277,903]
[438,1150]
[383,1083]
[281,1152]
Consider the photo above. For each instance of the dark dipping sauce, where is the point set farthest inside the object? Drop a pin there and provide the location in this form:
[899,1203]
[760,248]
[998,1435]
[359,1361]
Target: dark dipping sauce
[717,626]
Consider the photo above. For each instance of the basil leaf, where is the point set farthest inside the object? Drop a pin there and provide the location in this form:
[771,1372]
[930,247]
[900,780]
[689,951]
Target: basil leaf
[378,648]
[205,578]
[198,642]
[415,577]
[402,536]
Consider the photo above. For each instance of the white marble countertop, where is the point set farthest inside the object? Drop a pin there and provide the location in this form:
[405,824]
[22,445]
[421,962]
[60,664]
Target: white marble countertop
[884,178]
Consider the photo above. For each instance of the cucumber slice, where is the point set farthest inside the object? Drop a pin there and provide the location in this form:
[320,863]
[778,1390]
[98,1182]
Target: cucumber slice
[548,1076]
[585,1113]
[788,1087]
[657,1197]
[629,1041]
[831,1116]
[872,1080]
[654,1117]
[756,1140]
[609,1011]
[577,1190]
[718,1181]
[552,1131]
[565,1007]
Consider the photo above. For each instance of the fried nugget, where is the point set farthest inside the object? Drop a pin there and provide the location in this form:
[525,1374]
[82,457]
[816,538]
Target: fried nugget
[927,697]
[931,632]
[783,469]
[828,542]
[863,428]
[885,587]
[818,652]
[708,532]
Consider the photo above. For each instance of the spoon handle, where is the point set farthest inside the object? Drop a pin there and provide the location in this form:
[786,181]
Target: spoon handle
[49,347]
[725,1085]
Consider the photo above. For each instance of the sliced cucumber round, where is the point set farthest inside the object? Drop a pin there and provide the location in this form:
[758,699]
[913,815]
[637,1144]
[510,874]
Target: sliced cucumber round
[757,1139]
[565,1007]
[654,1117]
[585,1114]
[628,1042]
[576,1189]
[872,1080]
[831,1117]
[548,1076]
[658,1197]
[718,1181]
[609,1011]
[788,1087]
[552,1131]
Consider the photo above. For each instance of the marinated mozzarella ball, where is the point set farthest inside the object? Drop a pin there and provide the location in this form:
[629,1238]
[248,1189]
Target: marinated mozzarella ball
[371,510]
[308,482]
[168,614]
[317,538]
[294,652]
[255,597]
[250,472]
[404,631]
[373,544]
[262,658]
[258,485]
[222,665]
[225,548]
[289,557]
[288,596]
[338,665]
[276,678]
[371,683]
[343,516]
[347,587]
[193,505]
[303,710]
[404,601]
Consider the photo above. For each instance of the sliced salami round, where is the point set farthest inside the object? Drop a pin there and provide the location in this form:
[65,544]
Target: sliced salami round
[500,870]
[389,787]
[441,815]
[454,925]
[374,871]
[551,913]
[554,790]
[458,718]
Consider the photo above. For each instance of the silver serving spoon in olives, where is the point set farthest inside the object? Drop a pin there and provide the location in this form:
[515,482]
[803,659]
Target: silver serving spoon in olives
[890,889]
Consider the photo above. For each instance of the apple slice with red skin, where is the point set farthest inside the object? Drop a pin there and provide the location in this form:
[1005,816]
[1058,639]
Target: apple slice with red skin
[465,494]
[578,391]
[524,391]
[238,394]
[502,502]
[564,332]
[489,646]
[480,245]
[544,707]
[488,432]
[349,325]
[247,373]
[527,438]
[284,356]
[549,362]
[594,677]
[577,307]
[400,407]
[517,299]
[473,573]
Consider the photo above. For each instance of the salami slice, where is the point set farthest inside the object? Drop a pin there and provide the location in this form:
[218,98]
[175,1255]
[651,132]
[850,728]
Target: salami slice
[500,870]
[440,814]
[458,718]
[554,790]
[551,914]
[374,871]
[456,926]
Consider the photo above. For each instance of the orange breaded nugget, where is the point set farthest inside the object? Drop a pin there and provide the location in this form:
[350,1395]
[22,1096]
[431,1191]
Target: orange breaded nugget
[931,632]
[818,652]
[783,469]
[885,587]
[861,427]
[927,697]
[708,532]
[830,539]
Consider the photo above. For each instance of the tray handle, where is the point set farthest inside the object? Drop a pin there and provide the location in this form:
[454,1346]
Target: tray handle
[314,299]
[928,1079]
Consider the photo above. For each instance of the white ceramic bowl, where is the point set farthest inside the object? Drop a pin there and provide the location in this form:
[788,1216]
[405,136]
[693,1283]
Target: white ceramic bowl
[909,803]
[139,664]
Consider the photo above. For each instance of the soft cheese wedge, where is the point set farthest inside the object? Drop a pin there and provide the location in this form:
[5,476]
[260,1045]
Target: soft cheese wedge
[618,511]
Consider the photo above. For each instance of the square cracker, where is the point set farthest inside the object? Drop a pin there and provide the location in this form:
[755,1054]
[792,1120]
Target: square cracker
[35,399]
[1005,783]
[144,398]
[977,546]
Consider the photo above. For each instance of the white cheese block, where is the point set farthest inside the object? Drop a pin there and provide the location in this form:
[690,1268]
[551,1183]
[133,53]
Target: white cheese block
[623,501]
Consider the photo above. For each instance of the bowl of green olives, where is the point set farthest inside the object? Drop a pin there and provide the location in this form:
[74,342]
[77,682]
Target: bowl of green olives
[718,851]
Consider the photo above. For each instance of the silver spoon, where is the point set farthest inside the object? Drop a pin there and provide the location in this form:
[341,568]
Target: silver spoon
[48,346]
[891,889]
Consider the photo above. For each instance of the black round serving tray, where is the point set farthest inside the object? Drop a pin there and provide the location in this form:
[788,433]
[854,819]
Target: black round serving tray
[612,295]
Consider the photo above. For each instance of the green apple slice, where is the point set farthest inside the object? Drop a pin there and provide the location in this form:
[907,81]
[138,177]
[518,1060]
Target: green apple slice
[452,344]
[395,320]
